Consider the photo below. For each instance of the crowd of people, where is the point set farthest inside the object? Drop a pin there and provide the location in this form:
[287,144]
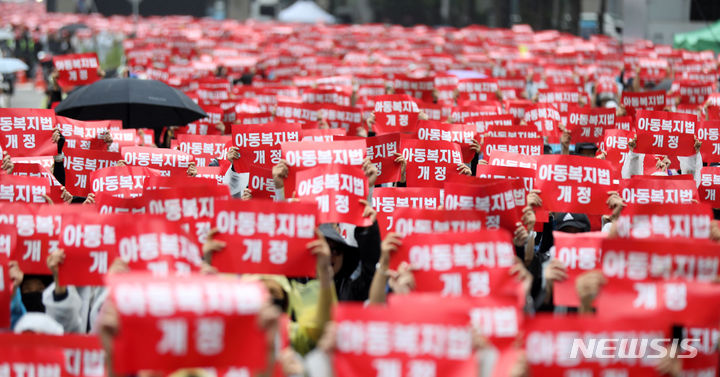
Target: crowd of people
[500,232]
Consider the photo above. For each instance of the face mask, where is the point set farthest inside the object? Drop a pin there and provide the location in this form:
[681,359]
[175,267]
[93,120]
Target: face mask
[33,302]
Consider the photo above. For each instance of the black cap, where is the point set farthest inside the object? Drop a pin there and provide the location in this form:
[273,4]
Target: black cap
[575,220]
[332,235]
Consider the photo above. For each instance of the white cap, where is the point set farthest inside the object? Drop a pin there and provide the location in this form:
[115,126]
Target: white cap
[37,322]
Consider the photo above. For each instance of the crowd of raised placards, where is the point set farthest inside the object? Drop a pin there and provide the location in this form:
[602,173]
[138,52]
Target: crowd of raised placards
[367,200]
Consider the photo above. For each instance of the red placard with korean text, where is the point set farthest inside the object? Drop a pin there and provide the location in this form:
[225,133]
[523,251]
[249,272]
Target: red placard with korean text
[27,132]
[709,189]
[527,147]
[546,118]
[260,144]
[15,188]
[371,340]
[615,145]
[189,321]
[579,253]
[520,132]
[395,113]
[479,90]
[268,237]
[291,112]
[348,118]
[430,163]
[475,264]
[204,148]
[38,228]
[309,154]
[653,100]
[121,181]
[483,123]
[574,183]
[666,133]
[643,189]
[510,159]
[386,200]
[38,171]
[337,191]
[8,242]
[667,221]
[154,244]
[168,161]
[408,221]
[455,133]
[708,133]
[261,183]
[586,125]
[549,341]
[90,244]
[381,150]
[76,69]
[30,355]
[673,300]
[501,200]
[80,164]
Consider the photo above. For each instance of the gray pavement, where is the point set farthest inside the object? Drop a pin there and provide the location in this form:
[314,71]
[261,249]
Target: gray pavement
[26,96]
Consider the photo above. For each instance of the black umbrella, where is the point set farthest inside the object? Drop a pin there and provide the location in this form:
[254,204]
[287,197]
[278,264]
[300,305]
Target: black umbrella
[72,28]
[138,103]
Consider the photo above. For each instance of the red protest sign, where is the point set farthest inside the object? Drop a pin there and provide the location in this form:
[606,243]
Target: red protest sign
[8,241]
[709,134]
[586,125]
[417,87]
[191,205]
[80,164]
[337,190]
[625,123]
[546,118]
[261,183]
[107,203]
[515,132]
[483,122]
[308,154]
[430,163]
[121,181]
[661,132]
[579,253]
[652,100]
[204,148]
[479,90]
[190,321]
[574,184]
[168,161]
[385,200]
[15,188]
[572,345]
[475,264]
[615,145]
[38,228]
[349,118]
[709,186]
[502,201]
[676,300]
[270,237]
[321,134]
[38,171]
[498,318]
[455,133]
[511,159]
[381,152]
[562,97]
[652,189]
[395,113]
[30,355]
[527,147]
[665,221]
[379,340]
[76,69]
[408,221]
[260,144]
[90,245]
[27,132]
[157,245]
[289,112]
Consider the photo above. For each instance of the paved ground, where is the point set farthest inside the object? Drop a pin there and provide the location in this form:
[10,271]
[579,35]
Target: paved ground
[27,97]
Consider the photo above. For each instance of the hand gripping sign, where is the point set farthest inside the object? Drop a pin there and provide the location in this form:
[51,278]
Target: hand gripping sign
[191,321]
